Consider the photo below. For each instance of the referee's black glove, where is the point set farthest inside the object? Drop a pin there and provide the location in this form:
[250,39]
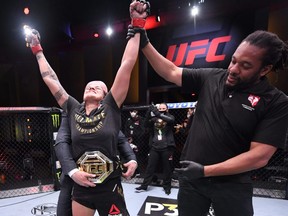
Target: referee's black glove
[190,170]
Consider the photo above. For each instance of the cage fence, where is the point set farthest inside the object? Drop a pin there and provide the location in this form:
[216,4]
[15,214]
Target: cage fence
[28,163]
[26,142]
[269,181]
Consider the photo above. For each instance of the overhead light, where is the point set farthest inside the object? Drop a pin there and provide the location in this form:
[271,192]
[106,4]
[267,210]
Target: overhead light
[158,19]
[26,11]
[109,31]
[194,11]
[96,35]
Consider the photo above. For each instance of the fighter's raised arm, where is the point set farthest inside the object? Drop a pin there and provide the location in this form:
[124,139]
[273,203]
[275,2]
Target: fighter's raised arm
[164,67]
[119,89]
[48,74]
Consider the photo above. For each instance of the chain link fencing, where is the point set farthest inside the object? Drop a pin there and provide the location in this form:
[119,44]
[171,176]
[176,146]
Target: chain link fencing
[26,155]
[28,163]
[269,181]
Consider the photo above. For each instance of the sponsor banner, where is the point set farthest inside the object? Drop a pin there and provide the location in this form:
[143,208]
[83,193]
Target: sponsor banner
[55,120]
[181,105]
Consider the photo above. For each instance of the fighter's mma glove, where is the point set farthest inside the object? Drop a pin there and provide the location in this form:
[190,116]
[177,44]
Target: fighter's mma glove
[139,13]
[190,170]
[33,41]
[143,35]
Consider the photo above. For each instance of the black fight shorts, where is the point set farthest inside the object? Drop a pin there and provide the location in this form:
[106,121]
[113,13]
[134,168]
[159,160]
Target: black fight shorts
[107,198]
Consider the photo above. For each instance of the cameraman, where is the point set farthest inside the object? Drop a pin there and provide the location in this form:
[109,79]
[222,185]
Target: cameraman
[162,145]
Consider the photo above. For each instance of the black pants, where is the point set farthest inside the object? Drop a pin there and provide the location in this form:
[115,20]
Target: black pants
[165,158]
[227,198]
[64,205]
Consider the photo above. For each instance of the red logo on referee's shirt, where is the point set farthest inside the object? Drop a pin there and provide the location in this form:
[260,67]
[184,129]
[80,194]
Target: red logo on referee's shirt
[114,210]
[253,100]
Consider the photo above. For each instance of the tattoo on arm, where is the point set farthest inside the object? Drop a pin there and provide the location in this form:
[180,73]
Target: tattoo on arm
[45,74]
[49,73]
[50,78]
[38,56]
[59,94]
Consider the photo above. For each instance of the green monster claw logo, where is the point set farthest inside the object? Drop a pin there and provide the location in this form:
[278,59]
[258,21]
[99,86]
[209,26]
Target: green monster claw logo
[55,120]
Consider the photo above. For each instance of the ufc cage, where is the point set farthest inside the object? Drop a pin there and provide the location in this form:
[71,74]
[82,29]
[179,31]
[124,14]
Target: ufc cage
[28,163]
[27,159]
[269,181]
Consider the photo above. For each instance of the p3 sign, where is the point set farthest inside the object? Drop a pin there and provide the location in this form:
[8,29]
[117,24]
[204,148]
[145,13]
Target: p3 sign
[155,206]
[164,209]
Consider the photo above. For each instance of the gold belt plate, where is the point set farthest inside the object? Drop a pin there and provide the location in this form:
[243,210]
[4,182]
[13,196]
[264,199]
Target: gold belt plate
[95,162]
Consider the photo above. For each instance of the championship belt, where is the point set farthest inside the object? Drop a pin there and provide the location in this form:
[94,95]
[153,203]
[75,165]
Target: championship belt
[96,163]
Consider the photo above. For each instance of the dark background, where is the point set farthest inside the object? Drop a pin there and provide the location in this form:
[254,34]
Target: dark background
[67,29]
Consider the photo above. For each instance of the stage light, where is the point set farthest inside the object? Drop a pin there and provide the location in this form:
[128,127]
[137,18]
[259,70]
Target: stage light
[194,11]
[96,35]
[26,11]
[109,31]
[158,19]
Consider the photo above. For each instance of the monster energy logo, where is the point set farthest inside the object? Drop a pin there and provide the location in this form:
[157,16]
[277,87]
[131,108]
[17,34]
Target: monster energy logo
[55,120]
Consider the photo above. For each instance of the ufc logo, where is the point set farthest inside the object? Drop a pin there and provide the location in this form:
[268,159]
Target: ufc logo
[196,48]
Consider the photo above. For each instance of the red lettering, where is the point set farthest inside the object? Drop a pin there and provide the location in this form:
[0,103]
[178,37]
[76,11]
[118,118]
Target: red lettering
[180,56]
[192,54]
[193,51]
[211,55]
